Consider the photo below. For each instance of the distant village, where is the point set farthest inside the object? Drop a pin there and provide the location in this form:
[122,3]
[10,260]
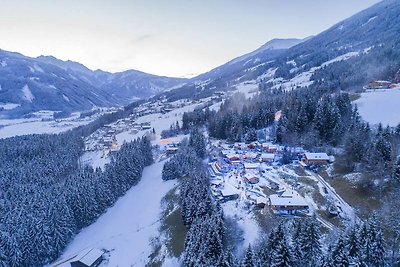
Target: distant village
[104,139]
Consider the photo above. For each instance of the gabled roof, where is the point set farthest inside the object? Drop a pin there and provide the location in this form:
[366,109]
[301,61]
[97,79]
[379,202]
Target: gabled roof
[316,156]
[294,200]
[89,256]
[267,156]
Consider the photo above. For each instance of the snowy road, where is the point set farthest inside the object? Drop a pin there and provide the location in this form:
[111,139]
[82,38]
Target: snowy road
[127,227]
[346,210]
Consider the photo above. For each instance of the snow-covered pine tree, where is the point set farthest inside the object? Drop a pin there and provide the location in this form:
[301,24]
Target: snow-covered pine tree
[249,259]
[353,248]
[339,254]
[311,245]
[281,253]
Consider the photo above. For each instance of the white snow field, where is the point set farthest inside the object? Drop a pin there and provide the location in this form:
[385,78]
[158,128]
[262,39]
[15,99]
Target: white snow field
[18,127]
[127,228]
[380,106]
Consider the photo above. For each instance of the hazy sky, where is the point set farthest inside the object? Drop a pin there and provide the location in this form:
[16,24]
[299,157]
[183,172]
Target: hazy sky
[165,37]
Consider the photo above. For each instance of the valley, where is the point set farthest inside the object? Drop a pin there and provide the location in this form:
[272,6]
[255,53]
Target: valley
[286,156]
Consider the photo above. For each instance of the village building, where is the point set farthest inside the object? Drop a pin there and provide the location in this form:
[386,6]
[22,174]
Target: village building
[270,148]
[317,159]
[171,149]
[250,155]
[229,192]
[251,178]
[88,258]
[251,166]
[232,157]
[261,202]
[379,85]
[267,157]
[288,202]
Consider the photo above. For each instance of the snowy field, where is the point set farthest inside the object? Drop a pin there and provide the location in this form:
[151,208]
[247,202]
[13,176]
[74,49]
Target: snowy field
[127,228]
[16,127]
[381,106]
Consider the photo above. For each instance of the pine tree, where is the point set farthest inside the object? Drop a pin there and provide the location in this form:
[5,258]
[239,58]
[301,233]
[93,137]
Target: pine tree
[281,253]
[375,248]
[298,241]
[396,170]
[311,243]
[339,254]
[249,260]
[353,248]
[198,143]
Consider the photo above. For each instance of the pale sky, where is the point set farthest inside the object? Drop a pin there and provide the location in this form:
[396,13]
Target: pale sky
[165,37]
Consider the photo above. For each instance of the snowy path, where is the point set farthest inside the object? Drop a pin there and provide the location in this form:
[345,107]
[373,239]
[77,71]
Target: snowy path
[127,227]
[348,211]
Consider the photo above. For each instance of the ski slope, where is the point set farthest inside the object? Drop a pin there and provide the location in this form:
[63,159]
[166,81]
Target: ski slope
[126,228]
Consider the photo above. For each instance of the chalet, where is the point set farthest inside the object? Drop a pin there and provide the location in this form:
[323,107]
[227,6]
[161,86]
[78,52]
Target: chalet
[267,157]
[235,162]
[251,178]
[88,258]
[288,202]
[216,168]
[171,149]
[232,157]
[229,192]
[251,166]
[316,159]
[261,202]
[250,155]
[379,85]
[252,145]
[240,145]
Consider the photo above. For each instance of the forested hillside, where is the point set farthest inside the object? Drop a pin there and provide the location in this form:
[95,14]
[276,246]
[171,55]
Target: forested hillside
[47,197]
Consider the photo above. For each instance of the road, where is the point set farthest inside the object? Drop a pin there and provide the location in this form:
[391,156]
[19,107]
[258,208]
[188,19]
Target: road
[346,211]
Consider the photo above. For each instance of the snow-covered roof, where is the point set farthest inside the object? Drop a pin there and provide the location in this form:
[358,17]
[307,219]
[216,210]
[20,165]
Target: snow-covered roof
[251,155]
[261,200]
[294,200]
[89,256]
[251,165]
[229,190]
[267,156]
[316,156]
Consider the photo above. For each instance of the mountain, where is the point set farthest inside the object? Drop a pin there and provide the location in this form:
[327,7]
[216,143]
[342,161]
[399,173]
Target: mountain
[47,83]
[237,70]
[124,86]
[28,85]
[346,56]
[266,52]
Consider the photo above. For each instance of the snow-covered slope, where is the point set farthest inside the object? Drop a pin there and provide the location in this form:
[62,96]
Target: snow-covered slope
[47,83]
[124,86]
[127,227]
[380,106]
[32,85]
[345,57]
